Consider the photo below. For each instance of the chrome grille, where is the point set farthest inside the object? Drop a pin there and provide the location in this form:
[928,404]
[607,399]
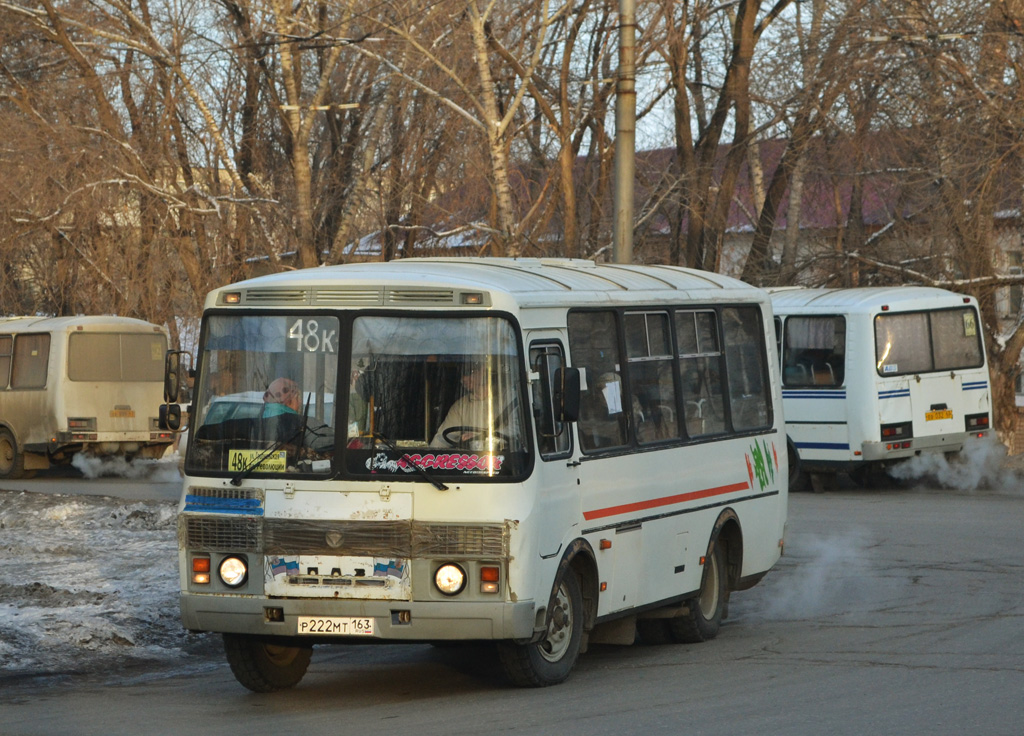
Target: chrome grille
[398,539]
[342,538]
[456,540]
[242,534]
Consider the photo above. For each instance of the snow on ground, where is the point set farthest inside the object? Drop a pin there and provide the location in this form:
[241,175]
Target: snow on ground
[89,584]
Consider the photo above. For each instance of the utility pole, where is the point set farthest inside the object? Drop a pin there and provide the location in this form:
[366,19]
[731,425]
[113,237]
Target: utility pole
[625,134]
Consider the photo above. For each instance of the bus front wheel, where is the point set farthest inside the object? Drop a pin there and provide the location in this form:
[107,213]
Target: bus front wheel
[12,462]
[550,660]
[265,667]
[707,608]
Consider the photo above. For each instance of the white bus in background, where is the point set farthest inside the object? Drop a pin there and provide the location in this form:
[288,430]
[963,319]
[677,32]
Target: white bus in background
[86,384]
[873,376]
[617,463]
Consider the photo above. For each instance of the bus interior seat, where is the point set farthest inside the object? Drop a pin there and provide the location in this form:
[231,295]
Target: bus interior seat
[796,374]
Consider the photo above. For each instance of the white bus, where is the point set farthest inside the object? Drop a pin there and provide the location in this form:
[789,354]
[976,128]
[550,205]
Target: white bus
[873,376]
[540,453]
[71,385]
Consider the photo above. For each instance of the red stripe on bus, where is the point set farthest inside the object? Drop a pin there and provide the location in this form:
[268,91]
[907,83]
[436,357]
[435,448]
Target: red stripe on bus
[665,501]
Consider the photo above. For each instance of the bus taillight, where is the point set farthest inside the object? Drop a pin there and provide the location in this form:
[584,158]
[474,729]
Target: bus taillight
[976,422]
[900,431]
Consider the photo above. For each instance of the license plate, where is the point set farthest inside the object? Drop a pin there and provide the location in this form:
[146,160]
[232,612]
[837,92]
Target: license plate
[334,626]
[931,416]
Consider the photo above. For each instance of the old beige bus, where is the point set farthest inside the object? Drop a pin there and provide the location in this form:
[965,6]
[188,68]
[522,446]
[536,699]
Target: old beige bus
[87,384]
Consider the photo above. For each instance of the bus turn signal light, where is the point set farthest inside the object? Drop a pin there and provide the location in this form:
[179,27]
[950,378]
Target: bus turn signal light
[201,570]
[489,577]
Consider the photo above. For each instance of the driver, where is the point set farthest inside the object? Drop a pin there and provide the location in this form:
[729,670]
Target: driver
[470,410]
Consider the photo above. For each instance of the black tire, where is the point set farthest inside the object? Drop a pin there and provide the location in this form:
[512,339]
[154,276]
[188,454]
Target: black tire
[264,666]
[12,462]
[550,660]
[707,608]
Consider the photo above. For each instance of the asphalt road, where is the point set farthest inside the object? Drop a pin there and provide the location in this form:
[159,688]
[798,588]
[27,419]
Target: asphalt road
[892,612]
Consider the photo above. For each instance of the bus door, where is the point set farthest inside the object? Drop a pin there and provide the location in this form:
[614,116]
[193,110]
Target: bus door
[814,386]
[557,507]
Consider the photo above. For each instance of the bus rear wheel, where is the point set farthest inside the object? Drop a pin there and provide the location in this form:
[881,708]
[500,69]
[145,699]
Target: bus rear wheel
[707,608]
[550,660]
[263,666]
[12,462]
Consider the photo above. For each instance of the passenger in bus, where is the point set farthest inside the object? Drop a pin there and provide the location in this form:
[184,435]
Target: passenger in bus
[471,412]
[279,421]
[281,397]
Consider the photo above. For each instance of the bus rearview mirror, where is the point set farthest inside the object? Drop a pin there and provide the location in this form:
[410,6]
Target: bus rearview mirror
[172,376]
[170,417]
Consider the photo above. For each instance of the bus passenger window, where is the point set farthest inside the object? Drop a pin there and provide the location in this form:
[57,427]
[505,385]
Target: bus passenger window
[652,386]
[6,348]
[593,344]
[31,354]
[747,368]
[700,372]
[814,351]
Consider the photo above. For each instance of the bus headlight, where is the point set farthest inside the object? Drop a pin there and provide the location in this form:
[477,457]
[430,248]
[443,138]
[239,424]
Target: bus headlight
[233,571]
[450,579]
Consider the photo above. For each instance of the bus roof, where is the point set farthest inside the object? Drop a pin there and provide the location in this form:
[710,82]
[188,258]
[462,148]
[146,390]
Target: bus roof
[529,282]
[868,300]
[100,323]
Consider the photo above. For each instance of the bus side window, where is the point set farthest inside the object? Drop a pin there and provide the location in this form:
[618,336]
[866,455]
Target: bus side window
[814,351]
[747,368]
[31,356]
[700,370]
[652,385]
[553,436]
[6,349]
[594,346]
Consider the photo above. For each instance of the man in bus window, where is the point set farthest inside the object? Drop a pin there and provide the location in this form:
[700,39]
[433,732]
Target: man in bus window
[471,412]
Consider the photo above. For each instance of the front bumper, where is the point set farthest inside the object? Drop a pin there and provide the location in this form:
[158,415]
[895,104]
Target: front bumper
[426,621]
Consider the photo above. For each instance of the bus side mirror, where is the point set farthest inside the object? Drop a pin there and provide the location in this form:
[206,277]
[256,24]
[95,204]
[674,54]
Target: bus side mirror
[172,376]
[567,394]
[170,417]
[175,376]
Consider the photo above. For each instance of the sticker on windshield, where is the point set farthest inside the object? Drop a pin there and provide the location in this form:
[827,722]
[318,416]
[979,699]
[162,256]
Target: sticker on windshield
[970,327]
[891,368]
[241,461]
[463,463]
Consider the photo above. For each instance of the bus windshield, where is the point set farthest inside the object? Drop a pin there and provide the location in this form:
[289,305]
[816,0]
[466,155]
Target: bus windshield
[441,394]
[433,394]
[919,342]
[266,397]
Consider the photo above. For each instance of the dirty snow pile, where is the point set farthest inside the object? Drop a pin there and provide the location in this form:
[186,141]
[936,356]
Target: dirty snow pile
[89,584]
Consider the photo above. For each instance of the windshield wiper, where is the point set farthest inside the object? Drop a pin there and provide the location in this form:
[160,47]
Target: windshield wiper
[405,456]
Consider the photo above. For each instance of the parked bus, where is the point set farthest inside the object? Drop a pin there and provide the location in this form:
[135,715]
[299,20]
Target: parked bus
[540,453]
[873,376]
[72,385]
